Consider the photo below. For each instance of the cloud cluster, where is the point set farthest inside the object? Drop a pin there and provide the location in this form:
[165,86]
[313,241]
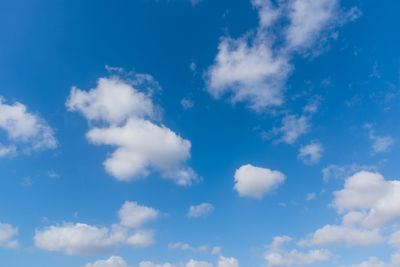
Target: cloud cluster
[24,128]
[277,256]
[367,203]
[311,154]
[255,68]
[113,261]
[81,238]
[122,116]
[251,181]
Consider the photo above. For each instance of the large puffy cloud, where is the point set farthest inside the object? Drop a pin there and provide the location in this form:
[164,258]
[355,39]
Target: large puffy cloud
[277,256]
[201,210]
[113,261]
[251,181]
[7,236]
[25,128]
[134,215]
[123,116]
[367,203]
[375,262]
[255,68]
[227,262]
[80,238]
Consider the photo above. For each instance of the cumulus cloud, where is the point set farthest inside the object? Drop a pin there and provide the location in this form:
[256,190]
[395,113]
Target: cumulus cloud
[380,144]
[311,154]
[254,68]
[227,262]
[80,238]
[367,203]
[122,116]
[201,210]
[251,181]
[194,263]
[134,215]
[24,128]
[341,172]
[277,256]
[375,262]
[113,261]
[7,236]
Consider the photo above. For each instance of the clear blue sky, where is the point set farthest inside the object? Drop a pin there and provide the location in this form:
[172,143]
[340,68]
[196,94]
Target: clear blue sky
[199,133]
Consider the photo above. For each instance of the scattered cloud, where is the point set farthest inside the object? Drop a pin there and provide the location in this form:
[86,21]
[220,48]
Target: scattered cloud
[311,154]
[381,143]
[113,261]
[187,247]
[123,117]
[341,172]
[7,236]
[24,128]
[251,181]
[255,67]
[277,256]
[311,196]
[201,210]
[80,238]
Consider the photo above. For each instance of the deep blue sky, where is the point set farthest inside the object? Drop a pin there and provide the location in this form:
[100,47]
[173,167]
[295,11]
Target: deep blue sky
[349,71]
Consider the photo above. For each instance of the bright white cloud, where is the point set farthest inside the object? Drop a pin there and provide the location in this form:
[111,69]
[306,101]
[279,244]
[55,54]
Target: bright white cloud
[151,264]
[201,210]
[122,113]
[277,256]
[134,215]
[7,236]
[113,261]
[311,153]
[194,263]
[25,128]
[293,127]
[251,181]
[375,262]
[255,68]
[80,238]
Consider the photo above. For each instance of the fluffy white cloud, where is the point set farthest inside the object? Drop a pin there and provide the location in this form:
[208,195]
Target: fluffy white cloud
[380,143]
[293,127]
[134,215]
[394,239]
[82,238]
[341,172]
[7,236]
[371,193]
[79,238]
[227,262]
[123,116]
[251,181]
[277,256]
[311,153]
[113,261]
[255,67]
[201,210]
[24,127]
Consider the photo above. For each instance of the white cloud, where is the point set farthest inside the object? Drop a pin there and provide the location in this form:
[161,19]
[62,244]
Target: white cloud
[25,128]
[113,261]
[9,150]
[80,238]
[134,215]
[341,172]
[311,196]
[193,263]
[394,240]
[7,236]
[141,239]
[255,68]
[311,153]
[151,264]
[227,262]
[255,182]
[375,262]
[293,127]
[122,114]
[381,143]
[277,256]
[201,210]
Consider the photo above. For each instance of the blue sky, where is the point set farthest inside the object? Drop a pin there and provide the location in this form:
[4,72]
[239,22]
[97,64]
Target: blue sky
[188,133]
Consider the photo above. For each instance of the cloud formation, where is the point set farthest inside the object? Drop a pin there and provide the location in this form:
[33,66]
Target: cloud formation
[7,236]
[251,181]
[255,67]
[201,210]
[122,116]
[311,154]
